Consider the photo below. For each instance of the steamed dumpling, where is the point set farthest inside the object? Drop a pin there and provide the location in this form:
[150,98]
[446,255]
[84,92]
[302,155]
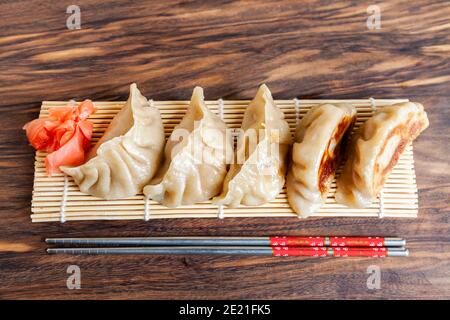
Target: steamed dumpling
[196,158]
[127,155]
[258,172]
[122,121]
[375,150]
[315,155]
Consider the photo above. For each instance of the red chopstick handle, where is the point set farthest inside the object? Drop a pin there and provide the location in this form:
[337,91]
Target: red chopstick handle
[297,241]
[359,252]
[328,252]
[326,241]
[356,242]
[299,252]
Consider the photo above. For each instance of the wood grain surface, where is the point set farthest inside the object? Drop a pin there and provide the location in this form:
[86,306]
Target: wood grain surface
[308,49]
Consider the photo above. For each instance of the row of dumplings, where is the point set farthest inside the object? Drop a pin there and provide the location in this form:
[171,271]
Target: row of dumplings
[132,156]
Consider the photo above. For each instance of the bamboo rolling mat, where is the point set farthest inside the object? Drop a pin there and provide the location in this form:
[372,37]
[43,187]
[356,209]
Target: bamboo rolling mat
[58,198]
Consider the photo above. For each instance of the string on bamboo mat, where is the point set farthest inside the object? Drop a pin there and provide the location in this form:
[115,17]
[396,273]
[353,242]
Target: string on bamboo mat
[373,105]
[146,208]
[62,208]
[146,199]
[297,111]
[220,213]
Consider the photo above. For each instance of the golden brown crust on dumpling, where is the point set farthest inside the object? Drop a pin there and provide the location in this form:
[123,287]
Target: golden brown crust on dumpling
[375,150]
[315,155]
[331,156]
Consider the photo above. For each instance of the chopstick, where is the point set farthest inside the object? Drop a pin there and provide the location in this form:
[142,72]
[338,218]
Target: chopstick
[289,241]
[267,246]
[264,251]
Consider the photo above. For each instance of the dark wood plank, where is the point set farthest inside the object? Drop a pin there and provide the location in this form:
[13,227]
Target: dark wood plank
[310,49]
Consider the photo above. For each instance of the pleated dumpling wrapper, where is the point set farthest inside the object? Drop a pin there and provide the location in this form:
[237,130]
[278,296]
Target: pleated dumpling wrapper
[128,154]
[196,158]
[375,150]
[315,155]
[258,172]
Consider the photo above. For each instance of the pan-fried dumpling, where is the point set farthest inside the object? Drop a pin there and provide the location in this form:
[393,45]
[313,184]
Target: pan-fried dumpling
[375,150]
[258,172]
[315,155]
[127,155]
[195,165]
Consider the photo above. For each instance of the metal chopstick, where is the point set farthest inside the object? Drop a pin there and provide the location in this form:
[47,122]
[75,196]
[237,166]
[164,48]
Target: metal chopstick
[266,251]
[233,241]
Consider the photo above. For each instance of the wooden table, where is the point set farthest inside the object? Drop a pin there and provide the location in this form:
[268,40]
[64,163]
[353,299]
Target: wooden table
[315,49]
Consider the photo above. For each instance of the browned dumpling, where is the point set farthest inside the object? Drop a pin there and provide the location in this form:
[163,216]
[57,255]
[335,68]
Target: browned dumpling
[375,150]
[315,155]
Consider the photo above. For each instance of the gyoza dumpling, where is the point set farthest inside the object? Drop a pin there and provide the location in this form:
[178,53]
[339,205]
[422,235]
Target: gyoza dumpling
[196,158]
[375,150]
[315,155]
[128,154]
[122,121]
[258,173]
